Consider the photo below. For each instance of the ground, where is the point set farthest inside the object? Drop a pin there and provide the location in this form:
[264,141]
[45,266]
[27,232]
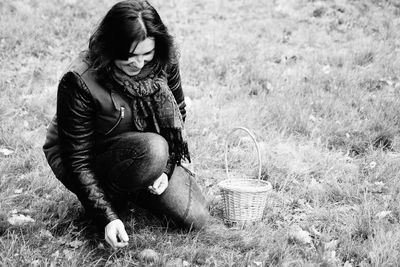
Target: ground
[315,81]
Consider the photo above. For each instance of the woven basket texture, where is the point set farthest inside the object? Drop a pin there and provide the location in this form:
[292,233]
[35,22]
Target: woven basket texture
[244,199]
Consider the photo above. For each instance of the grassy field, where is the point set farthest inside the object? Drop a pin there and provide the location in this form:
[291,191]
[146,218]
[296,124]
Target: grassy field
[316,81]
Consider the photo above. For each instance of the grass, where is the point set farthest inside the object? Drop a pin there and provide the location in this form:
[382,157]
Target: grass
[316,81]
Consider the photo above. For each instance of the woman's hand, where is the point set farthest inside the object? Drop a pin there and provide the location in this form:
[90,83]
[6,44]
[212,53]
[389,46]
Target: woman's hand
[115,234]
[159,185]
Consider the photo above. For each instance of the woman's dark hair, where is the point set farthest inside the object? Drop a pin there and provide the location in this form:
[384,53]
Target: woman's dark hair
[127,22]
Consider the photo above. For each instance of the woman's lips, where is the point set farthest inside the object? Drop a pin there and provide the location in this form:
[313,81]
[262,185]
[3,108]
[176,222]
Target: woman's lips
[134,69]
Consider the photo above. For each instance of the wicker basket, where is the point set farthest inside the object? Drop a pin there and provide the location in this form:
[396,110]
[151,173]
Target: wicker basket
[244,199]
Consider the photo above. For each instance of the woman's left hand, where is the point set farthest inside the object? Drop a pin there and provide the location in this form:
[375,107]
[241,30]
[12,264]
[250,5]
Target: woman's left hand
[159,185]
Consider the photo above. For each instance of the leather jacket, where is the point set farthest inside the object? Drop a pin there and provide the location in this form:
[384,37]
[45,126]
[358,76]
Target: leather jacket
[88,112]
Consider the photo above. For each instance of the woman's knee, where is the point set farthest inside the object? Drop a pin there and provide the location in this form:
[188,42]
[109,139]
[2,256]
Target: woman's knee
[137,159]
[155,158]
[151,147]
[156,149]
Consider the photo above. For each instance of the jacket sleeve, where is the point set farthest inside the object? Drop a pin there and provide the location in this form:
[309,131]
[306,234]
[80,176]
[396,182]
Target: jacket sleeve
[174,83]
[75,113]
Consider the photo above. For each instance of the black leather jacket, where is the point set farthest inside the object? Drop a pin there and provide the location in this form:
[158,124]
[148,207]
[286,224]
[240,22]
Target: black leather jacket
[87,111]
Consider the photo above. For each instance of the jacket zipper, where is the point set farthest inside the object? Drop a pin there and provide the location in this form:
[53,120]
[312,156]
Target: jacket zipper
[121,116]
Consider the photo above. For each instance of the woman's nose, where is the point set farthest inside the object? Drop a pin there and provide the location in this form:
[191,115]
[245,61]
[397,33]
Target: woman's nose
[138,61]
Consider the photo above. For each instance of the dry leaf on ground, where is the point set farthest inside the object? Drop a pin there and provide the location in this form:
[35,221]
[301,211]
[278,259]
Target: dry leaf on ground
[19,220]
[75,244]
[18,191]
[5,151]
[148,256]
[174,263]
[383,214]
[46,233]
[299,235]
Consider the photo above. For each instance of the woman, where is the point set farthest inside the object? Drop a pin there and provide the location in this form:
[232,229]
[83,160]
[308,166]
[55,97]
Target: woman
[118,134]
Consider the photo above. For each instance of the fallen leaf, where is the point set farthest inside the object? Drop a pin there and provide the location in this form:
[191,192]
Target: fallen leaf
[383,214]
[18,191]
[101,246]
[19,219]
[269,87]
[204,131]
[148,256]
[174,263]
[46,233]
[5,151]
[326,69]
[299,235]
[75,244]
[372,164]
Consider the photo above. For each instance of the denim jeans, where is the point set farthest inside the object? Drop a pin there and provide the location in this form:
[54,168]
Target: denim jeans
[130,162]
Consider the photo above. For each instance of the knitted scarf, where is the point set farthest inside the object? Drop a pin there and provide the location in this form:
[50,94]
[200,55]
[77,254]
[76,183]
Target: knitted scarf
[152,102]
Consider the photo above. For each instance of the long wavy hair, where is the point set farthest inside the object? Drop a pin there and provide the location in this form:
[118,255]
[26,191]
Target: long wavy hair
[128,22]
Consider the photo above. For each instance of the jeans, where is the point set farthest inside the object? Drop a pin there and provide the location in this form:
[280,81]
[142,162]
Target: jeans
[128,163]
[131,161]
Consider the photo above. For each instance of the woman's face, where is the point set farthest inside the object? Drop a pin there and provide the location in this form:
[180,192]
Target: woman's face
[138,57]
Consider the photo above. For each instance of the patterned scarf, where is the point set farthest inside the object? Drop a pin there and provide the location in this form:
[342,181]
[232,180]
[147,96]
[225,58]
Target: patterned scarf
[152,102]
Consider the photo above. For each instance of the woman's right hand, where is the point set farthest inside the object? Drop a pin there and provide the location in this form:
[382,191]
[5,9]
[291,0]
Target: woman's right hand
[115,234]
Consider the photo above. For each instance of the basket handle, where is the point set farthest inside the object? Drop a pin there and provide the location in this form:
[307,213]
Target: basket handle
[255,143]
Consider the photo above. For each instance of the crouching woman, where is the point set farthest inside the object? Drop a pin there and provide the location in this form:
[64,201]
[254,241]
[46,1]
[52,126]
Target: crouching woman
[118,134]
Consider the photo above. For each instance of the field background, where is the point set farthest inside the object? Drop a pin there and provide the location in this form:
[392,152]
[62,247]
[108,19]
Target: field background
[316,81]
